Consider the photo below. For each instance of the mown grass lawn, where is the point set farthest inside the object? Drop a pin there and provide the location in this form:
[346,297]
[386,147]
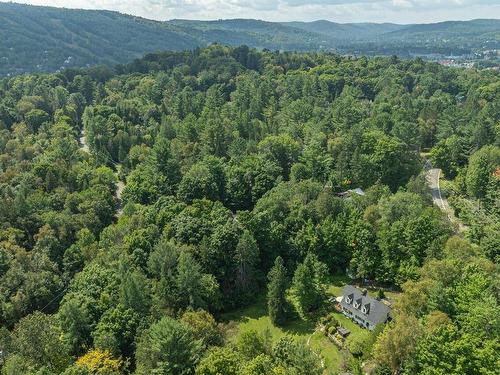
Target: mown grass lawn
[336,283]
[255,318]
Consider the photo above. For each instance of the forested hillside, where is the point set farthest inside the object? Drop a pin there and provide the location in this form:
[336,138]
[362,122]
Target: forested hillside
[45,39]
[449,38]
[233,161]
[347,31]
[255,33]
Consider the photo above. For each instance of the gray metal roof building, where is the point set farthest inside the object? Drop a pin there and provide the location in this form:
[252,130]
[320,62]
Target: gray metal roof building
[363,309]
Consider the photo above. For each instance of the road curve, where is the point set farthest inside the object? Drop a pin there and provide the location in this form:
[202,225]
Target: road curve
[120,186]
[82,141]
[432,176]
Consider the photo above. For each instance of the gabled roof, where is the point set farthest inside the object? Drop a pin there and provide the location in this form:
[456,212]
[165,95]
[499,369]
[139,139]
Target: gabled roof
[348,193]
[377,312]
[358,191]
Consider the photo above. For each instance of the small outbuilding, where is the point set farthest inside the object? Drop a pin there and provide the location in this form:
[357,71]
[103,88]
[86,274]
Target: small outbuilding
[344,332]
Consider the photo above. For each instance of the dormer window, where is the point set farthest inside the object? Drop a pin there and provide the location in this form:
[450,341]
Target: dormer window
[363,309]
[349,298]
[357,303]
[366,308]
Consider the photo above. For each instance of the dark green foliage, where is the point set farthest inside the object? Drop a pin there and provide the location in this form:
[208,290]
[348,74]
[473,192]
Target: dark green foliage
[330,323]
[40,45]
[167,348]
[204,327]
[482,165]
[277,304]
[296,356]
[247,262]
[240,164]
[250,344]
[116,331]
[37,339]
[203,180]
[380,294]
[308,285]
[109,45]
[219,361]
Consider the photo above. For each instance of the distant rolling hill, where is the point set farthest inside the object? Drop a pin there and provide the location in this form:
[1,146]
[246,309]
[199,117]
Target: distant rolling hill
[34,38]
[254,33]
[346,31]
[43,38]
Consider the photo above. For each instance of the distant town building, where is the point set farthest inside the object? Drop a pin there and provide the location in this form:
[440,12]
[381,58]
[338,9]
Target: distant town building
[363,309]
[457,64]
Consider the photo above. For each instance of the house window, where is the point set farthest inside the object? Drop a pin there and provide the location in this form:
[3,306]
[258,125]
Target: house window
[349,298]
[366,308]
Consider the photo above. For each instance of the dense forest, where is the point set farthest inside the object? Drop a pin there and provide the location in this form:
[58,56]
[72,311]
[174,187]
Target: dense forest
[233,161]
[46,39]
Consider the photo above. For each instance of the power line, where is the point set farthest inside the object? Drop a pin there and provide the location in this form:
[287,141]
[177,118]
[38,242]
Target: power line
[53,299]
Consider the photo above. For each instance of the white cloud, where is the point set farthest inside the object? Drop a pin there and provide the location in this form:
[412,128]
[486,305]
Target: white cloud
[402,3]
[399,11]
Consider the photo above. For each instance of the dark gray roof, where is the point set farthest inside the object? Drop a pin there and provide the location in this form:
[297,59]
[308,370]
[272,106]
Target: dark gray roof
[377,312]
[343,331]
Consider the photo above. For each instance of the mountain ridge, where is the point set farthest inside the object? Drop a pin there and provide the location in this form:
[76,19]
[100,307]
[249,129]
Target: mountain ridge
[39,38]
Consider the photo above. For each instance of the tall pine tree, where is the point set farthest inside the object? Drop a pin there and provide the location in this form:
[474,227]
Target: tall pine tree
[308,284]
[277,305]
[246,258]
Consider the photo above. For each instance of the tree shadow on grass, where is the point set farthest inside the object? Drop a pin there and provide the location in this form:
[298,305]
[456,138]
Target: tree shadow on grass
[298,326]
[294,325]
[255,311]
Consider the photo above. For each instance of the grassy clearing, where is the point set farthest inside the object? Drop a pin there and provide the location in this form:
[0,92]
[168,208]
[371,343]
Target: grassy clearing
[336,283]
[332,355]
[255,318]
[356,331]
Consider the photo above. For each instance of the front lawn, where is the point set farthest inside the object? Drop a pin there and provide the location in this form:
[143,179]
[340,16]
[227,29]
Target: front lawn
[255,318]
[356,330]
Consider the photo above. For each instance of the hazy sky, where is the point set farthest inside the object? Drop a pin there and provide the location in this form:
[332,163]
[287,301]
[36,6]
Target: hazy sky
[398,11]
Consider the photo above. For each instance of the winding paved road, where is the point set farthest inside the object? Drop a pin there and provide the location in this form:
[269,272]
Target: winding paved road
[82,141]
[432,176]
[120,186]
